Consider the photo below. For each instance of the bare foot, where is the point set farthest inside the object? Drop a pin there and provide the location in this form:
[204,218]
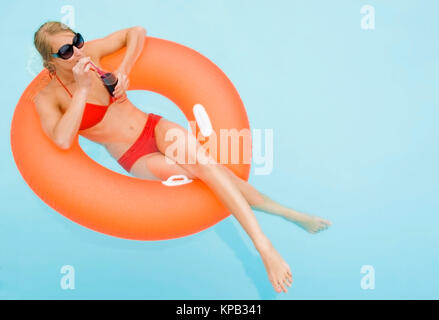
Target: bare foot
[278,271]
[309,223]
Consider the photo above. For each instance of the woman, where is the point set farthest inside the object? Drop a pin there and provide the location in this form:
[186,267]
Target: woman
[76,101]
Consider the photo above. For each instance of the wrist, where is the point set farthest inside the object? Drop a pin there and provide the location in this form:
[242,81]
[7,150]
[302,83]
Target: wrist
[122,69]
[82,90]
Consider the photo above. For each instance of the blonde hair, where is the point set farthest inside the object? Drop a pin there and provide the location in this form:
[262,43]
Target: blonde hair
[42,43]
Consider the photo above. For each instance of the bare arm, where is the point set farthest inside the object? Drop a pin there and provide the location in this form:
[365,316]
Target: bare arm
[68,125]
[134,43]
[49,114]
[62,128]
[132,38]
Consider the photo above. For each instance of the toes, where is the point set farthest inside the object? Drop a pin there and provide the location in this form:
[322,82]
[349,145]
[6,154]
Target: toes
[322,226]
[326,223]
[277,287]
[289,276]
[282,286]
[287,281]
[319,225]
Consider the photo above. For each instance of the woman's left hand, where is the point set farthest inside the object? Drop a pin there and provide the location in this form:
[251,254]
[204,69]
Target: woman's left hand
[121,87]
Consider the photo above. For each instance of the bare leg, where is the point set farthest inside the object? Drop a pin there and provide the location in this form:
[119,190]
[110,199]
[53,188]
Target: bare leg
[163,170]
[278,270]
[261,202]
[228,193]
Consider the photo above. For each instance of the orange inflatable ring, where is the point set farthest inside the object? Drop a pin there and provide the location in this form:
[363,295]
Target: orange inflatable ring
[124,206]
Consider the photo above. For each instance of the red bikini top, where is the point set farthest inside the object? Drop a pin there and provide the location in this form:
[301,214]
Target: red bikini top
[93,113]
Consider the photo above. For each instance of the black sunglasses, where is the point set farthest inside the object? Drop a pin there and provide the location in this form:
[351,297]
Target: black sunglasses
[66,51]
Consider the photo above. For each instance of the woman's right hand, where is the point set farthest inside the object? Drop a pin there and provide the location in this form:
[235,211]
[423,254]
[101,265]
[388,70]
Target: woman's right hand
[81,73]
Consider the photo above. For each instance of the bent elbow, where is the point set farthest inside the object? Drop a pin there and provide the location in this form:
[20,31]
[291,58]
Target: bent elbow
[63,145]
[140,29]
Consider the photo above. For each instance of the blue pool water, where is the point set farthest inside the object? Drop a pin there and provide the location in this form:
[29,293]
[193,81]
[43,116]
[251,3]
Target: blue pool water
[353,113]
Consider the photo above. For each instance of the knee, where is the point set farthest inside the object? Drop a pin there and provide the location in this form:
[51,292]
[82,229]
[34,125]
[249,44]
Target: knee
[200,170]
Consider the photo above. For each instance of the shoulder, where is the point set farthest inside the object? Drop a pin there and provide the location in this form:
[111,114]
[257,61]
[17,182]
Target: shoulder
[44,93]
[46,96]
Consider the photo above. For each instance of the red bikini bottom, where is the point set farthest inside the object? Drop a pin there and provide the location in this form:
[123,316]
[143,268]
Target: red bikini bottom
[144,144]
